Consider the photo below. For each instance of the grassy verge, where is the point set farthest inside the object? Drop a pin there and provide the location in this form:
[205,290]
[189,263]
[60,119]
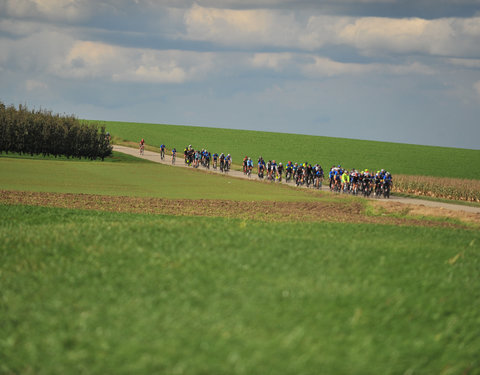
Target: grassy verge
[92,292]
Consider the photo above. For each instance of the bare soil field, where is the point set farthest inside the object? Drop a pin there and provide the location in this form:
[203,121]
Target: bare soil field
[389,213]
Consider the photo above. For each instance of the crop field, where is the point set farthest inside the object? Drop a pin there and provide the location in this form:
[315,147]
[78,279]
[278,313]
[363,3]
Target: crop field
[398,158]
[131,267]
[450,188]
[92,292]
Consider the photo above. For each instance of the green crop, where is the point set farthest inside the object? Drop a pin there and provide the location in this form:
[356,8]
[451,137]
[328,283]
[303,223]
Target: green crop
[102,293]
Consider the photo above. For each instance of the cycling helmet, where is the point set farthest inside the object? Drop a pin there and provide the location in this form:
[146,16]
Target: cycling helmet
[279,163]
[273,161]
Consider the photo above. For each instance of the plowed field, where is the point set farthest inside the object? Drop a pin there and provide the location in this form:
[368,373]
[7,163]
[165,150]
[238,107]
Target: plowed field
[341,211]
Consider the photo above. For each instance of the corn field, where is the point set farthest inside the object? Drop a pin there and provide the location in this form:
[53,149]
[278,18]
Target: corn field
[438,187]
[41,132]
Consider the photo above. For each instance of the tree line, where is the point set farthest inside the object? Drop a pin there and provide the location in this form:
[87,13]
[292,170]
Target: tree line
[38,132]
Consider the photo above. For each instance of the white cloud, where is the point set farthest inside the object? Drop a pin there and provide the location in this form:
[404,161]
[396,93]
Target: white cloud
[370,35]
[71,10]
[325,67]
[241,27]
[88,59]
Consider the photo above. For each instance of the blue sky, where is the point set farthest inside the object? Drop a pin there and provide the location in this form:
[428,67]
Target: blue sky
[391,70]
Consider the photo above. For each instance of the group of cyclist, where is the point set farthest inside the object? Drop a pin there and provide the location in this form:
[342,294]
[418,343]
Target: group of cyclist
[303,174]
[360,182]
[205,158]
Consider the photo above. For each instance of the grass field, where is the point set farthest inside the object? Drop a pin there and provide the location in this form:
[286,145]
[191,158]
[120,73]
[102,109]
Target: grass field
[97,293]
[136,179]
[398,158]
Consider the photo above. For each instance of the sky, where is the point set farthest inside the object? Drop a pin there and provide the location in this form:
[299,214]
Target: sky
[389,70]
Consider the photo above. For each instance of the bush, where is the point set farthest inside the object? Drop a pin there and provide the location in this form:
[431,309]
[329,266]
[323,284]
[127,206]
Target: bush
[41,132]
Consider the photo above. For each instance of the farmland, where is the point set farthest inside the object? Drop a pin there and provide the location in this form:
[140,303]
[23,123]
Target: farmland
[449,188]
[134,293]
[398,158]
[132,267]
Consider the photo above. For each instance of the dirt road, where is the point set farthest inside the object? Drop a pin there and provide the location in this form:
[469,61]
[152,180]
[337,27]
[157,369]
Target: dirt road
[155,157]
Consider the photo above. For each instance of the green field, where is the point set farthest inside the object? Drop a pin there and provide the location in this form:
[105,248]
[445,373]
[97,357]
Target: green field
[396,157]
[143,179]
[98,293]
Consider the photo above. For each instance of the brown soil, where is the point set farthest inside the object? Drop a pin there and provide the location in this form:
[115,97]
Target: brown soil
[345,212]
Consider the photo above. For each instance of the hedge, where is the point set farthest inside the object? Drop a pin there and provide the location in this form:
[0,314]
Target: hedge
[37,132]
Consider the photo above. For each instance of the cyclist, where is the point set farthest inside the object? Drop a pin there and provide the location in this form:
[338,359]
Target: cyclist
[142,146]
[280,171]
[228,162]
[222,162]
[299,175]
[215,158]
[174,155]
[261,167]
[162,152]
[318,176]
[345,179]
[354,181]
[208,157]
[387,183]
[249,166]
[269,169]
[288,171]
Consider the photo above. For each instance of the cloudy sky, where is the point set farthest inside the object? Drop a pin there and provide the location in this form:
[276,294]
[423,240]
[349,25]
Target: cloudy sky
[392,70]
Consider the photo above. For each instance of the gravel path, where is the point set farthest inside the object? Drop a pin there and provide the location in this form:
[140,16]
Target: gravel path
[155,157]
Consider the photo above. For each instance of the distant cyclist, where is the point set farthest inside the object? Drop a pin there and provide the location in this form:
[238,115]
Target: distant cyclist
[228,162]
[261,167]
[280,171]
[142,146]
[174,155]
[249,166]
[162,152]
